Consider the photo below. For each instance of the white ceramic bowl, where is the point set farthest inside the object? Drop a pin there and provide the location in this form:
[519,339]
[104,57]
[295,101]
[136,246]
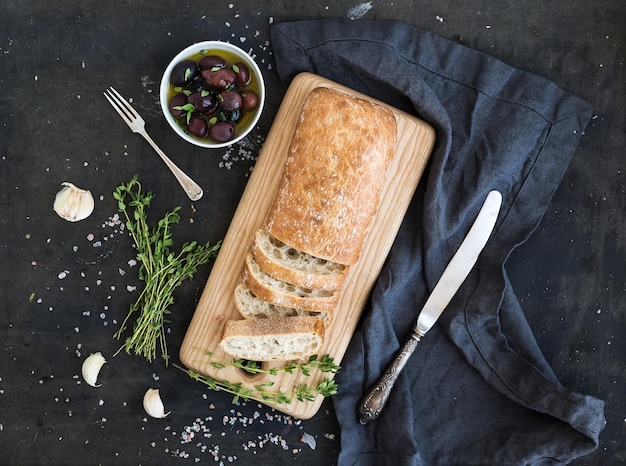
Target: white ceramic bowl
[228,50]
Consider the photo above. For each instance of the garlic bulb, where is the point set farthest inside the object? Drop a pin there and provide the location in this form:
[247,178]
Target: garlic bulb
[72,203]
[91,368]
[153,405]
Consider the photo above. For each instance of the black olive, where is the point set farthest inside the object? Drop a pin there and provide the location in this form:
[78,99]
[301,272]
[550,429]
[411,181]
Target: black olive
[198,126]
[222,131]
[220,79]
[184,73]
[249,99]
[197,83]
[230,100]
[211,62]
[242,73]
[233,116]
[203,102]
[178,101]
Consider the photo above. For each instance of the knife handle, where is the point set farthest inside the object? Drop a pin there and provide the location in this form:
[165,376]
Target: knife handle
[374,401]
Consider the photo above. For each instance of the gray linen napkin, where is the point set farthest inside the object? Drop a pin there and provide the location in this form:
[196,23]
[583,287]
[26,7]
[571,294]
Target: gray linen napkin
[477,391]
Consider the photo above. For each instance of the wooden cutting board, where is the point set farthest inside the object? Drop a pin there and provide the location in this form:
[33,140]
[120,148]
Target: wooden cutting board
[414,144]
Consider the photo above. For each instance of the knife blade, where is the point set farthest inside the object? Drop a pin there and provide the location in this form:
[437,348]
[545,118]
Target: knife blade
[453,276]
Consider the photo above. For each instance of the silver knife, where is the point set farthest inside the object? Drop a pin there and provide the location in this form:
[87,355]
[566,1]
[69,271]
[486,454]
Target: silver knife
[453,276]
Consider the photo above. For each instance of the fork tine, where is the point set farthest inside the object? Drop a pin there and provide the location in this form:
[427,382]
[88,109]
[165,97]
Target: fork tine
[125,104]
[115,105]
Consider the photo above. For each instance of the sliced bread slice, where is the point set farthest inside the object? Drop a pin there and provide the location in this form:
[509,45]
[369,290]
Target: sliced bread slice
[251,307]
[285,263]
[285,294]
[282,339]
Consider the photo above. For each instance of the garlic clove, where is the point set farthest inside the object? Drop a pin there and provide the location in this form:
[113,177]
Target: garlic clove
[73,203]
[153,405]
[91,368]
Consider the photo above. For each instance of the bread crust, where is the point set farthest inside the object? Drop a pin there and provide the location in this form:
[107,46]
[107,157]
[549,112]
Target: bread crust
[304,278]
[284,294]
[334,175]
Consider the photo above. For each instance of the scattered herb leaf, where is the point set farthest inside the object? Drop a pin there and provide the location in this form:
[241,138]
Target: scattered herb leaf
[262,392]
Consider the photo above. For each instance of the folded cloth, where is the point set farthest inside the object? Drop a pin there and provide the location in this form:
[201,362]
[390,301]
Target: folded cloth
[477,391]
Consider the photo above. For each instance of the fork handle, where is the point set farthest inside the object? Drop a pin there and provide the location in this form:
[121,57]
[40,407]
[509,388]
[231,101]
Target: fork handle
[193,190]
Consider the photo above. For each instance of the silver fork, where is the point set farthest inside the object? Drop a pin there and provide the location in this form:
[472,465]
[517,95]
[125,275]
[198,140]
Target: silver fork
[137,124]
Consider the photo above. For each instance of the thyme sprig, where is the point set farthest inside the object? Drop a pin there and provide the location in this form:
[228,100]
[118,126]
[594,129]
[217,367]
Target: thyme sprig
[161,269]
[263,391]
[325,364]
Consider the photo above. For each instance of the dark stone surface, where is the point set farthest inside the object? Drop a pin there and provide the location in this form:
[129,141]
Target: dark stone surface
[64,294]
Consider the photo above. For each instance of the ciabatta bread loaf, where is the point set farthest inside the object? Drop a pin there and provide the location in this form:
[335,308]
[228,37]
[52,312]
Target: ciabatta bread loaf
[320,215]
[251,307]
[281,339]
[285,294]
[334,175]
[286,263]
